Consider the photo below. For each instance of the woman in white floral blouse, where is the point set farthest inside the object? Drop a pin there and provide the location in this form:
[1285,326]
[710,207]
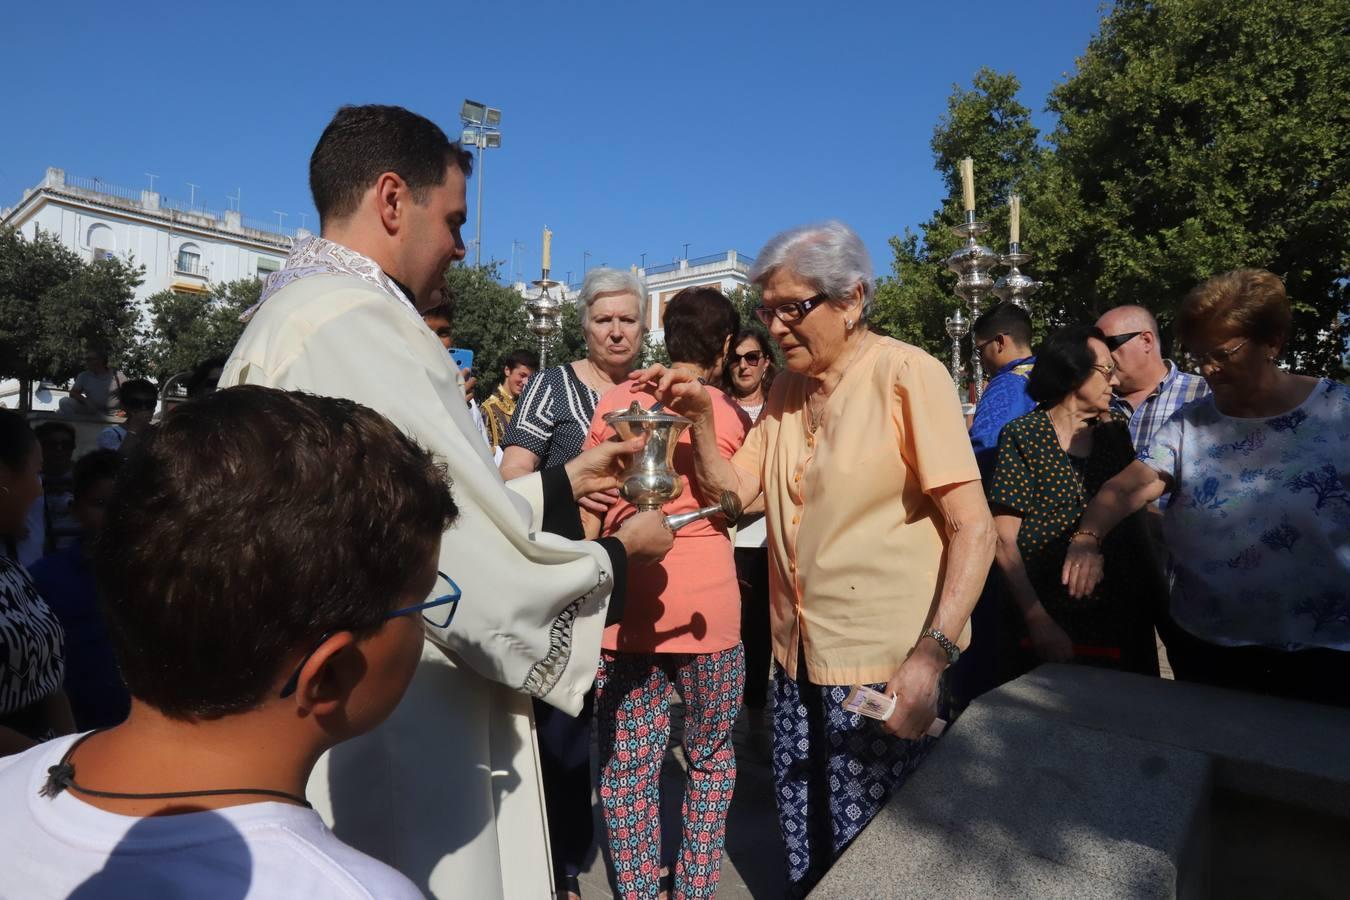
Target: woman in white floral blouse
[1258,527]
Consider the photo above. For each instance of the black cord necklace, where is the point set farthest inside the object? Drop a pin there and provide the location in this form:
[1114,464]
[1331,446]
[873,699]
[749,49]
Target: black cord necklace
[61,777]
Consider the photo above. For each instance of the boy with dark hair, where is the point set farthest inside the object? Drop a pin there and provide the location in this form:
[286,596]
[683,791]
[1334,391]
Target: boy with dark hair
[65,579]
[517,367]
[265,587]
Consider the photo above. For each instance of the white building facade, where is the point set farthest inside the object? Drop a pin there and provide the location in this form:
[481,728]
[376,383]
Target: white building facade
[182,248]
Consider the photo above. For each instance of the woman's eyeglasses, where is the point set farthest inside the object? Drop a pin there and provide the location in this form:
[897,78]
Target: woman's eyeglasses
[789,313]
[1107,371]
[753,358]
[1219,356]
[446,603]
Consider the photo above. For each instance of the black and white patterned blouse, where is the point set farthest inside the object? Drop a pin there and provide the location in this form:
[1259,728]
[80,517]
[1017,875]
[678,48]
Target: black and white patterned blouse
[32,644]
[553,416]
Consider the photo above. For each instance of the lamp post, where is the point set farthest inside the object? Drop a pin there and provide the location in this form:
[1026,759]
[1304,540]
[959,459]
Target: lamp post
[482,129]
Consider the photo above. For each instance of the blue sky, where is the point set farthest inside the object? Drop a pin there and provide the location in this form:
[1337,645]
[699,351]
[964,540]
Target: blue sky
[627,127]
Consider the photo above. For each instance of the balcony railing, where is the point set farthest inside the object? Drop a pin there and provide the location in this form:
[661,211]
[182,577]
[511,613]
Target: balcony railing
[711,259]
[98,186]
[189,265]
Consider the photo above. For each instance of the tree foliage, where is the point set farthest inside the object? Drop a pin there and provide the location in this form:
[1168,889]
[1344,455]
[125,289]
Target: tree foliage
[185,328]
[1197,136]
[989,124]
[54,306]
[1193,137]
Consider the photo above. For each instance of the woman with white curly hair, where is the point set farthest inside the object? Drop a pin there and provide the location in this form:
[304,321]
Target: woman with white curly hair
[879,535]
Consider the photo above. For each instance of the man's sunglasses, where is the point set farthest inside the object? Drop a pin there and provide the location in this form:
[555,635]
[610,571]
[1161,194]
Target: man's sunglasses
[1115,341]
[753,358]
[448,594]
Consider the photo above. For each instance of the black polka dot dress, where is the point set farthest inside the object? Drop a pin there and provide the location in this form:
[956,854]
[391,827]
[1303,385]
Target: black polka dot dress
[1036,479]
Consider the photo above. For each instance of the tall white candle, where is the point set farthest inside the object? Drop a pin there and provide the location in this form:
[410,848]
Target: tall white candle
[968,183]
[548,243]
[1014,219]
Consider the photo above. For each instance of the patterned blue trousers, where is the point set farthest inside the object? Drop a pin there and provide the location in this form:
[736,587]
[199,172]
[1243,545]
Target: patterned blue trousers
[832,770]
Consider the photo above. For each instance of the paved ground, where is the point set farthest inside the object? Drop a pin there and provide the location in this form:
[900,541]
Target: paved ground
[753,863]
[752,866]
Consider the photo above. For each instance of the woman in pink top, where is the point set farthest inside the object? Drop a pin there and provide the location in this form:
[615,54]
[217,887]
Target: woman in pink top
[681,626]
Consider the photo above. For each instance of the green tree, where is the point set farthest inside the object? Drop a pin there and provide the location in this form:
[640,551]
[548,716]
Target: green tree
[1194,137]
[989,124]
[53,306]
[489,319]
[186,328]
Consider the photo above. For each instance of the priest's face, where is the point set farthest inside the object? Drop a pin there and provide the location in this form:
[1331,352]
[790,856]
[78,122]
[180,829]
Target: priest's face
[431,241]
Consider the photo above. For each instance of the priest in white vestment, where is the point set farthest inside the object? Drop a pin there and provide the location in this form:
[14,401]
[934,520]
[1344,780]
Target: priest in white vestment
[448,789]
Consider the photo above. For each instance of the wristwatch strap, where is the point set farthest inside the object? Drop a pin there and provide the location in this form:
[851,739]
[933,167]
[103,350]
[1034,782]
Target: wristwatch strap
[953,652]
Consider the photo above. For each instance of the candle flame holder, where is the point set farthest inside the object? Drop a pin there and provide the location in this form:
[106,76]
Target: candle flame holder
[971,262]
[1014,287]
[545,313]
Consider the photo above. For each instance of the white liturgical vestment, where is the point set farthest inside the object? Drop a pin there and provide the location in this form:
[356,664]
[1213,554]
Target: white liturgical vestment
[447,791]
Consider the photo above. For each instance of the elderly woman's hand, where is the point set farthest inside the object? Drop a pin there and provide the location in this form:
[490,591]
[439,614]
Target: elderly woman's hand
[677,389]
[1084,566]
[916,686]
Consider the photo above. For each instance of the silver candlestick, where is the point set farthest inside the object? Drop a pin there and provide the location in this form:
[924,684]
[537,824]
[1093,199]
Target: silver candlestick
[1014,287]
[957,328]
[545,314]
[971,262]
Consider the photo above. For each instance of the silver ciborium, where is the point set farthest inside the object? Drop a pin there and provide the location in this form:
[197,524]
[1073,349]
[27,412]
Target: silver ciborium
[650,479]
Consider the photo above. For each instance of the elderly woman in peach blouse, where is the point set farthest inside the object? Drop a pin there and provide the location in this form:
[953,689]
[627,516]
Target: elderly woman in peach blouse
[879,535]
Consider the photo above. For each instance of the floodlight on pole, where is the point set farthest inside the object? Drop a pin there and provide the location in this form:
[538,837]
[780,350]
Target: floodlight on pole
[482,129]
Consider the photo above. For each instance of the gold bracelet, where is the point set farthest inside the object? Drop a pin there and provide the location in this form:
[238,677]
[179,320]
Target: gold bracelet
[1092,534]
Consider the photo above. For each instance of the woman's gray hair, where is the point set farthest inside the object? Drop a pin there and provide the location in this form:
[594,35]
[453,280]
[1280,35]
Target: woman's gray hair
[829,255]
[605,281]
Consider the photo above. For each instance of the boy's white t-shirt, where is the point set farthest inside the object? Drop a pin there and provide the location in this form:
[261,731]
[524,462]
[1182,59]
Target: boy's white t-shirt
[63,847]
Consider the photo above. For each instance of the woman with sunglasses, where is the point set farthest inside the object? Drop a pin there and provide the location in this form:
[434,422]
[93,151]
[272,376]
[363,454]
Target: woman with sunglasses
[750,371]
[879,535]
[1050,464]
[749,375]
[1258,526]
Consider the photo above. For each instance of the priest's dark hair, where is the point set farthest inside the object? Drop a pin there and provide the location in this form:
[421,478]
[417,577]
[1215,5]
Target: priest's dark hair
[361,143]
[1003,318]
[250,524]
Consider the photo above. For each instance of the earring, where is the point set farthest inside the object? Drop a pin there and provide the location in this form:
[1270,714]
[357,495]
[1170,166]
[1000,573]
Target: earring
[848,324]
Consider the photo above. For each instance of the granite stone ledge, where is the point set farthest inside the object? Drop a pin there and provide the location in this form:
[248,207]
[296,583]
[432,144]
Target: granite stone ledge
[1082,782]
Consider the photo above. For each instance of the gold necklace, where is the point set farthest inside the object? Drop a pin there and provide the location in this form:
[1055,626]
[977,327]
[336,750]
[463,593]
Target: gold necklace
[596,379]
[812,413]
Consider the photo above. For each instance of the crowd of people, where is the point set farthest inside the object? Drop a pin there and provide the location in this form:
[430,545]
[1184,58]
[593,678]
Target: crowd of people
[334,629]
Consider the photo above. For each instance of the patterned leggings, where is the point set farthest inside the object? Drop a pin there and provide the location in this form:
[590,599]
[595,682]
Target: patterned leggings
[833,771]
[633,718]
